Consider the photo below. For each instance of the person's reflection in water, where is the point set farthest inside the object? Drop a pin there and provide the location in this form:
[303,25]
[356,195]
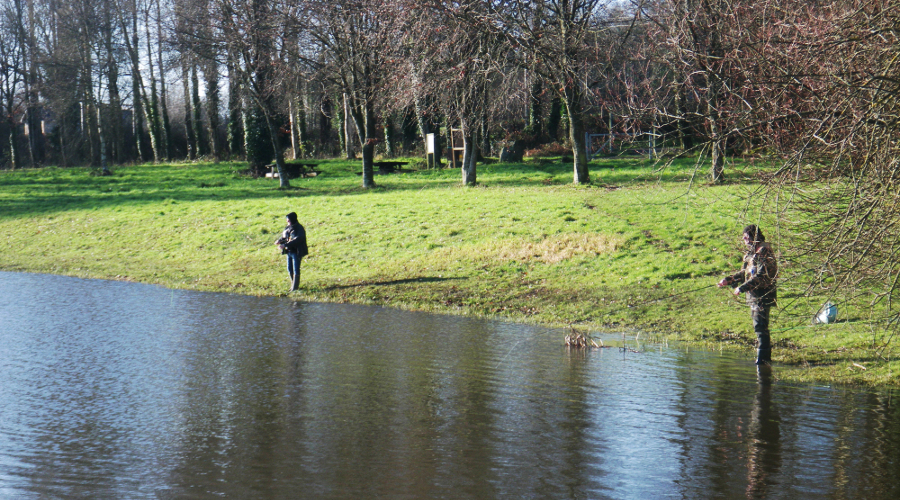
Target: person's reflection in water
[764,456]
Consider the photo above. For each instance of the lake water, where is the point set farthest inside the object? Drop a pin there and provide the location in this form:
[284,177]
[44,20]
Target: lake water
[121,390]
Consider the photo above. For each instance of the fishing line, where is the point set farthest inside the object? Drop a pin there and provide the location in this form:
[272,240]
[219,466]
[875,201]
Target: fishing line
[501,360]
[670,296]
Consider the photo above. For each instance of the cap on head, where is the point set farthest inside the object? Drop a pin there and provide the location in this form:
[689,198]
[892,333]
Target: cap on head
[292,216]
[754,232]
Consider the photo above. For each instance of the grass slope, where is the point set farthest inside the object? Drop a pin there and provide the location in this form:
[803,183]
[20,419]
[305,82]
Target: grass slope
[637,249]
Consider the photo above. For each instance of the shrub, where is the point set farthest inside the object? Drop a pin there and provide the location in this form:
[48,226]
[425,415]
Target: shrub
[551,149]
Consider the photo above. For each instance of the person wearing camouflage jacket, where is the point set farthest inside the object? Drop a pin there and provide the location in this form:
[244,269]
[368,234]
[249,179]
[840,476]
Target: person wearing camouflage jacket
[758,278]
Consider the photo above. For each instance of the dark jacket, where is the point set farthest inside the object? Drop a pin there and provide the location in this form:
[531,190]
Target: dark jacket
[295,239]
[758,275]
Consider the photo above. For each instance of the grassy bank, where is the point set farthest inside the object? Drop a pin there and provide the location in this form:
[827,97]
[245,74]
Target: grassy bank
[637,249]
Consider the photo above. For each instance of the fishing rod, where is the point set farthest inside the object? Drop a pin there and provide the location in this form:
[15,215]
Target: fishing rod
[673,295]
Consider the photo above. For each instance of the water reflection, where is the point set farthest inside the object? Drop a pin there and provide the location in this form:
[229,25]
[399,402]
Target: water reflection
[764,456]
[116,390]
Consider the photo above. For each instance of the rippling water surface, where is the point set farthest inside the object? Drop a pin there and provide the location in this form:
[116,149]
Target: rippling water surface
[119,390]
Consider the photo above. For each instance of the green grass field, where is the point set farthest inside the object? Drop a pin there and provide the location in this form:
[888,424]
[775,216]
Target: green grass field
[639,249]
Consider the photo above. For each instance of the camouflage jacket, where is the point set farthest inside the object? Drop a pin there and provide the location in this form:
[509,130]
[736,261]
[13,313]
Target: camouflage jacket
[758,275]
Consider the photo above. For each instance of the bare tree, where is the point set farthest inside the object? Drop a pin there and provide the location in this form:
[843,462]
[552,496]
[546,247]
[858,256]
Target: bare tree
[154,114]
[235,131]
[11,70]
[569,44]
[357,38]
[146,109]
[34,111]
[694,43]
[253,32]
[161,44]
[817,84]
[458,64]
[835,115]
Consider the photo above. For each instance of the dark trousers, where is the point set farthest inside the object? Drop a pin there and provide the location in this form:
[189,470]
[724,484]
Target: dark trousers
[293,267]
[760,315]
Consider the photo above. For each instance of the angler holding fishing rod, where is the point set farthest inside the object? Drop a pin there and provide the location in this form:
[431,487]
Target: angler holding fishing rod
[758,279]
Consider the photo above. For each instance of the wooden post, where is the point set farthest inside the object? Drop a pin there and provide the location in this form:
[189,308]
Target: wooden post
[457,146]
[430,150]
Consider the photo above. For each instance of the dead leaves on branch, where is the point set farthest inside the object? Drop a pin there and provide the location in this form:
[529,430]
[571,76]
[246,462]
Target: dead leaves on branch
[578,340]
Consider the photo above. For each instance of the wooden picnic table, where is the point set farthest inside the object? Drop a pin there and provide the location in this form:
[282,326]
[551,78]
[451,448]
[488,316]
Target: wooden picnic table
[294,169]
[389,166]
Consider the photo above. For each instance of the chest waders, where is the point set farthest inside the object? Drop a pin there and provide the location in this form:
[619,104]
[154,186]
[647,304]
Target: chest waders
[760,315]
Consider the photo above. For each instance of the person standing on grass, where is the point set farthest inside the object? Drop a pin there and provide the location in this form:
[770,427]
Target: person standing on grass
[293,244]
[758,279]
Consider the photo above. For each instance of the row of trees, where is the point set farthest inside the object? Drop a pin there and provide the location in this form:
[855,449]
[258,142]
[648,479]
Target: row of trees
[715,75]
[92,80]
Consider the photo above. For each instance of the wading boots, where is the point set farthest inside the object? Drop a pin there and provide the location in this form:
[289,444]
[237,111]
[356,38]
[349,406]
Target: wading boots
[763,350]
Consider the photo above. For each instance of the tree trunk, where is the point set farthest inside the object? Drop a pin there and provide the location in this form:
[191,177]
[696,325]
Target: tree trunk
[325,114]
[154,120]
[90,104]
[536,109]
[235,120]
[553,119]
[717,167]
[421,116]
[576,135]
[165,127]
[34,113]
[368,159]
[188,111]
[365,125]
[114,116]
[257,143]
[485,136]
[35,129]
[470,155]
[302,120]
[283,181]
[390,136]
[342,132]
[409,129]
[151,112]
[717,164]
[14,154]
[684,131]
[137,112]
[345,129]
[198,116]
[113,126]
[211,72]
[10,69]
[102,132]
[92,111]
[295,136]
[715,53]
